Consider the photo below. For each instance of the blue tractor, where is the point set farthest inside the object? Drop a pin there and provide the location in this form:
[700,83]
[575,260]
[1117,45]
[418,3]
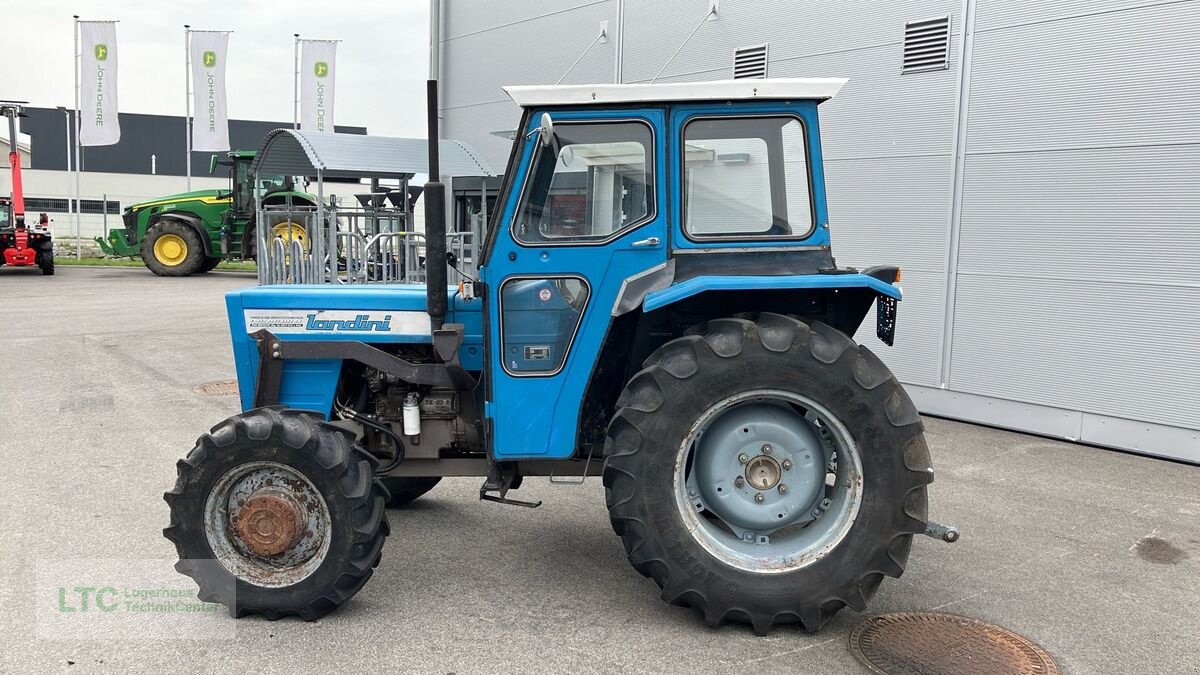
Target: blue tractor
[657,303]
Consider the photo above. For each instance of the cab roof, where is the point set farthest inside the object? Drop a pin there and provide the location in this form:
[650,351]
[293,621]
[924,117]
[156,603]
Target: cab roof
[818,88]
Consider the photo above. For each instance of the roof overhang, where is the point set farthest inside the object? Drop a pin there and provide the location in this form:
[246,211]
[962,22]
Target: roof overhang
[815,88]
[292,152]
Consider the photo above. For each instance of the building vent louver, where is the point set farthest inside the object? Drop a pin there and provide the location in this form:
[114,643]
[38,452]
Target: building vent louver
[750,62]
[926,45]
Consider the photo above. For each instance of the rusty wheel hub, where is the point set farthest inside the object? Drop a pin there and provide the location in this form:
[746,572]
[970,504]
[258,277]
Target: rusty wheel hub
[267,524]
[270,522]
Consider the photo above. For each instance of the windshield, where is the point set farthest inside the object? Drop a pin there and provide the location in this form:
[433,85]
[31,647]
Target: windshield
[4,215]
[591,184]
[272,183]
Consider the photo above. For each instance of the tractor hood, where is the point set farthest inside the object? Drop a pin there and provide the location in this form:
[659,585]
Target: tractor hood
[380,315]
[206,196]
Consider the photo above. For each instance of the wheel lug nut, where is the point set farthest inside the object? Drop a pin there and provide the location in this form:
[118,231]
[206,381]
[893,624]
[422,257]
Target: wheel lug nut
[739,481]
[743,458]
[767,449]
[787,464]
[759,497]
[783,488]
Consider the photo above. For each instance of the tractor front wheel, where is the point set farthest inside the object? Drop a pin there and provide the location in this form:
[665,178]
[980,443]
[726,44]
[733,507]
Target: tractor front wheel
[277,513]
[766,471]
[171,248]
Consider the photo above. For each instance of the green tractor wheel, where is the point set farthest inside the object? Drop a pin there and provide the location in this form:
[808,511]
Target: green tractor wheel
[173,249]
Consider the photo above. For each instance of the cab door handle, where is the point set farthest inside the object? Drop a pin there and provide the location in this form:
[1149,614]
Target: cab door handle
[647,242]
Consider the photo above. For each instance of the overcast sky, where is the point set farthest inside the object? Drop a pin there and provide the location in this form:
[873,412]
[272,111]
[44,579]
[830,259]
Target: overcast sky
[382,59]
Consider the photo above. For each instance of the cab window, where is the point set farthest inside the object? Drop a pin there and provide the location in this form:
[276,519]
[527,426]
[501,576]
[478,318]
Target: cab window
[592,183]
[746,178]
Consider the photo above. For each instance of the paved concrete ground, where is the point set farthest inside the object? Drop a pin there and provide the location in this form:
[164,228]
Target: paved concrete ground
[1091,553]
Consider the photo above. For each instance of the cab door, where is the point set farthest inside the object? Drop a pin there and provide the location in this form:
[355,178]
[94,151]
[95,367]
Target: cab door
[587,211]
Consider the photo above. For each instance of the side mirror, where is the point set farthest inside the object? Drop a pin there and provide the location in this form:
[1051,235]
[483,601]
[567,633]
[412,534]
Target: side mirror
[546,130]
[212,165]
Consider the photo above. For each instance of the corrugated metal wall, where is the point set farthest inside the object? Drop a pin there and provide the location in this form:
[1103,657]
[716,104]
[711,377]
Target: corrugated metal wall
[1042,193]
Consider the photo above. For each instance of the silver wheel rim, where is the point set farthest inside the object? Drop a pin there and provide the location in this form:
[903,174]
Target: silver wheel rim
[768,481]
[224,508]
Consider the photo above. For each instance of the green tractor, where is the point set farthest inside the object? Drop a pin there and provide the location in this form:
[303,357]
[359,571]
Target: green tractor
[192,232]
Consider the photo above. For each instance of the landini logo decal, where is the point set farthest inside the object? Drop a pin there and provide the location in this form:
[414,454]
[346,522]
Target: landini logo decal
[361,323]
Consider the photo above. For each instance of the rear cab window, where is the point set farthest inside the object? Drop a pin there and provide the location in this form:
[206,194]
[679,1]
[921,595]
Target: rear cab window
[746,178]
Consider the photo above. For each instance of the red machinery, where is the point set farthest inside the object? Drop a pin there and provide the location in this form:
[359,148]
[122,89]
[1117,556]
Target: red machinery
[21,245]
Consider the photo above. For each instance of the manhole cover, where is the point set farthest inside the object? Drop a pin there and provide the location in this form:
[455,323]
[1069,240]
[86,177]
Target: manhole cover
[931,643]
[221,388]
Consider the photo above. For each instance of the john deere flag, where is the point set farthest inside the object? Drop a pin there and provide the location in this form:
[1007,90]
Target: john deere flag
[98,123]
[210,114]
[316,84]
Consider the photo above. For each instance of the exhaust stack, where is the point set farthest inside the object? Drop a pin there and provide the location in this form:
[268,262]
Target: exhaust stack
[435,221]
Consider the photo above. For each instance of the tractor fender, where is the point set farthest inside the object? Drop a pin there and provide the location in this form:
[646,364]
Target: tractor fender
[192,221]
[701,284]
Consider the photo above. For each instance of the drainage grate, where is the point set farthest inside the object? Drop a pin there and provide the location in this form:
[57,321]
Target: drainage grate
[931,643]
[219,388]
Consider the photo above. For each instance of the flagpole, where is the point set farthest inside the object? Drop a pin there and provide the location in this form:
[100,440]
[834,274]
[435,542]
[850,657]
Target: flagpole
[187,102]
[296,82]
[79,124]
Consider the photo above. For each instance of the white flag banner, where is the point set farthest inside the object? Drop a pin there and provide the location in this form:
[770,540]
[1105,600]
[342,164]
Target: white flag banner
[210,112]
[317,72]
[98,122]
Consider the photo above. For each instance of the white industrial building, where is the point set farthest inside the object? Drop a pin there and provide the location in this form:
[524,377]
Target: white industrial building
[1033,167]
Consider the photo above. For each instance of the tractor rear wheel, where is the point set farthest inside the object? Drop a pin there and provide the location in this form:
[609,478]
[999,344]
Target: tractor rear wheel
[766,471]
[405,489]
[277,513]
[171,248]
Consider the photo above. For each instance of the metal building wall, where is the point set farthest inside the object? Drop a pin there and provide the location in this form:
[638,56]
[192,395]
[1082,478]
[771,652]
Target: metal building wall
[1041,194]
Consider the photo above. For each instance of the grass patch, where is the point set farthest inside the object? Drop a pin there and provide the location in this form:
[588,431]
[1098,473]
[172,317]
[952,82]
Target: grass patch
[134,262]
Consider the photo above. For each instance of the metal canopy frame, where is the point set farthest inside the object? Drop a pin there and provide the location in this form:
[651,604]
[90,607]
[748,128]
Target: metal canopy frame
[292,152]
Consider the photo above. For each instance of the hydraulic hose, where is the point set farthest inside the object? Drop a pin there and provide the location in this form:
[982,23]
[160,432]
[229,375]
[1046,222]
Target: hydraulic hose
[382,428]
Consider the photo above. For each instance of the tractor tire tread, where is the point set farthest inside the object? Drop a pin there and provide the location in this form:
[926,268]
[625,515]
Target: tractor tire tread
[305,433]
[195,248]
[668,369]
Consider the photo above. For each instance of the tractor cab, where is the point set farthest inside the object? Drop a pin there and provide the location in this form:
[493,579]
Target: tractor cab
[656,302]
[244,186]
